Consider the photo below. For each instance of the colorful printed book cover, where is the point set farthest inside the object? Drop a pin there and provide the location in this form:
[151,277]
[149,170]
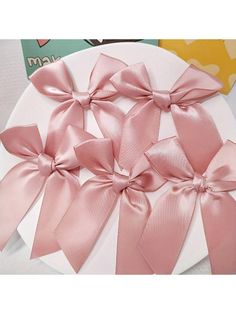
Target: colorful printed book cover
[43,51]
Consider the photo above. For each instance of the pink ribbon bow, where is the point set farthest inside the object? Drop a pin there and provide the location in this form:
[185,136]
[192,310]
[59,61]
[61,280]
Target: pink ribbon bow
[194,125]
[168,224]
[54,81]
[22,185]
[84,221]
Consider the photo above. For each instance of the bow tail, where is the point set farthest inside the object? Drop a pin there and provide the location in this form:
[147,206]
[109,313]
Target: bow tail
[134,212]
[196,128]
[18,191]
[83,223]
[59,193]
[67,113]
[110,120]
[166,229]
[136,135]
[219,220]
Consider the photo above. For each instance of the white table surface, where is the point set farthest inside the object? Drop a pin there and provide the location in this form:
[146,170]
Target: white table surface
[15,257]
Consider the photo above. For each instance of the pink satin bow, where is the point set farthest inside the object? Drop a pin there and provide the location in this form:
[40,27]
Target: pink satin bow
[168,224]
[84,221]
[194,125]
[22,185]
[55,82]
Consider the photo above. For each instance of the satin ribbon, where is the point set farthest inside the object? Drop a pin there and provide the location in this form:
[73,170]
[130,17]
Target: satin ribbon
[168,224]
[55,81]
[85,219]
[194,125]
[21,186]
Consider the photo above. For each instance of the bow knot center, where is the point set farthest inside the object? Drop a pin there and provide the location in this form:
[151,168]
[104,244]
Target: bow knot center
[120,182]
[199,183]
[83,99]
[46,164]
[162,99]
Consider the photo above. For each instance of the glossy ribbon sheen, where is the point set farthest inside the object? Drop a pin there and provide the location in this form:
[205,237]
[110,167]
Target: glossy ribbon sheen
[168,224]
[55,82]
[84,221]
[194,125]
[22,185]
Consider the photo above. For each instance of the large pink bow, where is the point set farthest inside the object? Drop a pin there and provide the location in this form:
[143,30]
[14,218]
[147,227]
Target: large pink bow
[54,81]
[84,221]
[22,185]
[168,224]
[194,125]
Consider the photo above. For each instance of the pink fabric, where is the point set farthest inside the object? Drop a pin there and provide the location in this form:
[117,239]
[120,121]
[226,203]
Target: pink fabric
[168,224]
[148,241]
[21,186]
[84,221]
[54,81]
[194,125]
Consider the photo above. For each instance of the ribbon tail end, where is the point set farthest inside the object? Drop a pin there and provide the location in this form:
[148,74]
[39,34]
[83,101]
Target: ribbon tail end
[38,251]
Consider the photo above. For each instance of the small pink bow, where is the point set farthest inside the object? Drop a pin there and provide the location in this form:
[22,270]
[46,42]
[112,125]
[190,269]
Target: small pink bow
[54,81]
[168,224]
[85,219]
[194,125]
[22,185]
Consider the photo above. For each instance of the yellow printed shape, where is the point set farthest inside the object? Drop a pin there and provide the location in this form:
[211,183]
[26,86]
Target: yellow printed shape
[230,46]
[213,69]
[214,56]
[232,79]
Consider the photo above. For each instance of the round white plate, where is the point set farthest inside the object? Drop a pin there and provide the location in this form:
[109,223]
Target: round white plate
[164,68]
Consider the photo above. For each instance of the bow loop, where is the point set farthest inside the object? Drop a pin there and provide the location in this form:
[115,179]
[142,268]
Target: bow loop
[103,70]
[83,99]
[133,82]
[162,99]
[46,164]
[53,81]
[96,155]
[120,182]
[194,86]
[168,158]
[24,141]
